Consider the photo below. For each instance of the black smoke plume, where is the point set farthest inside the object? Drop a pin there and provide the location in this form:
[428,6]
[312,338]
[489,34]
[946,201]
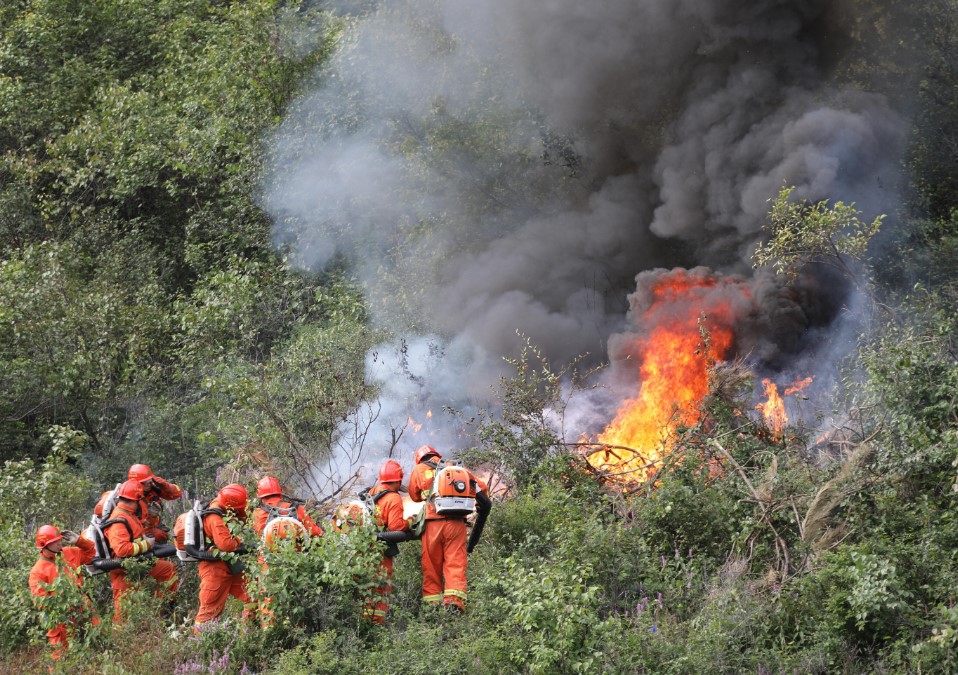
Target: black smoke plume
[493,167]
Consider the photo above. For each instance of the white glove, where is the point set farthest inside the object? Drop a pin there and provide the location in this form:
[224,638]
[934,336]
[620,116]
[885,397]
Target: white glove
[70,537]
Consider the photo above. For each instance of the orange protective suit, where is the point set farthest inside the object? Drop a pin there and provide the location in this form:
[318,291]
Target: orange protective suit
[217,583]
[161,489]
[389,517]
[127,540]
[260,518]
[45,571]
[444,559]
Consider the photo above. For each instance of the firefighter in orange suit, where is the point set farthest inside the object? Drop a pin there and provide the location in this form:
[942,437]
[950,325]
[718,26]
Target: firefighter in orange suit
[219,579]
[127,538]
[444,557]
[270,494]
[154,490]
[78,551]
[389,519]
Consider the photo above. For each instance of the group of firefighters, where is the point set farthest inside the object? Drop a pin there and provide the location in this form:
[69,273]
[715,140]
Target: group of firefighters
[132,529]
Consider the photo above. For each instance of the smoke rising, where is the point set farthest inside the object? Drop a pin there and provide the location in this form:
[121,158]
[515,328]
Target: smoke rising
[493,168]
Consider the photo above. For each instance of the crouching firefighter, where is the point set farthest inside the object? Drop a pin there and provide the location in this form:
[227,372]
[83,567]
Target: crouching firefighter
[275,521]
[451,494]
[127,539]
[72,550]
[219,577]
[384,501]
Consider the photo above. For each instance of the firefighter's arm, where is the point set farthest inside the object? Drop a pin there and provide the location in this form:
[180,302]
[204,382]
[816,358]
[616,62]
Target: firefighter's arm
[85,551]
[167,490]
[37,577]
[217,531]
[311,526]
[259,521]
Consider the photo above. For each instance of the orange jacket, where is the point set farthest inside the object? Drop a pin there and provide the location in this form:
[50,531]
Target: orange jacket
[389,509]
[217,534]
[420,487]
[126,540]
[260,516]
[45,569]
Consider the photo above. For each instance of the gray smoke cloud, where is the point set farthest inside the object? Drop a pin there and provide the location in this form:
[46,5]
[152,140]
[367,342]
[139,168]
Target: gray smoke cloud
[493,168]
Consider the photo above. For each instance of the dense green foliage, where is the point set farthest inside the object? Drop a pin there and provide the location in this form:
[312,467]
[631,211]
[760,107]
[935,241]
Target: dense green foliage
[141,298]
[145,315]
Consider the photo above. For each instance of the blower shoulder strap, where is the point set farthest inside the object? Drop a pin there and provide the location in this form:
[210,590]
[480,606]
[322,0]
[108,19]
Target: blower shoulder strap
[113,521]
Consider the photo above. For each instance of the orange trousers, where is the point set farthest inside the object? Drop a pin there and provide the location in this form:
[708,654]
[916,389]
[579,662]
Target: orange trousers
[59,638]
[378,604]
[444,562]
[163,571]
[266,616]
[216,585]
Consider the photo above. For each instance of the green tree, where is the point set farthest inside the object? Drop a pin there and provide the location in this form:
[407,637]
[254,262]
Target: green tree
[802,233]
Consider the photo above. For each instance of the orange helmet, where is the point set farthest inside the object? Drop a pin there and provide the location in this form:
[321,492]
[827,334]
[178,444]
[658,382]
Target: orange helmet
[233,497]
[140,472]
[348,515]
[47,534]
[268,486]
[390,471]
[426,451]
[131,489]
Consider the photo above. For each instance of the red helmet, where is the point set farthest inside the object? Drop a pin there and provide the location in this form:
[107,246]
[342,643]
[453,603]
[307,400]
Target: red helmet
[140,472]
[131,489]
[47,534]
[426,451]
[390,471]
[268,486]
[233,497]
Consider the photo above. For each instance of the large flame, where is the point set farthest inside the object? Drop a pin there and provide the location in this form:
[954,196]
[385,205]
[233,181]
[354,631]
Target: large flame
[674,370]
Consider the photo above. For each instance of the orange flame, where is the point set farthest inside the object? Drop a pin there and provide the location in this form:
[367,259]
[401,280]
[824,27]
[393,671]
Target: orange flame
[415,426]
[673,373]
[773,408]
[798,386]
